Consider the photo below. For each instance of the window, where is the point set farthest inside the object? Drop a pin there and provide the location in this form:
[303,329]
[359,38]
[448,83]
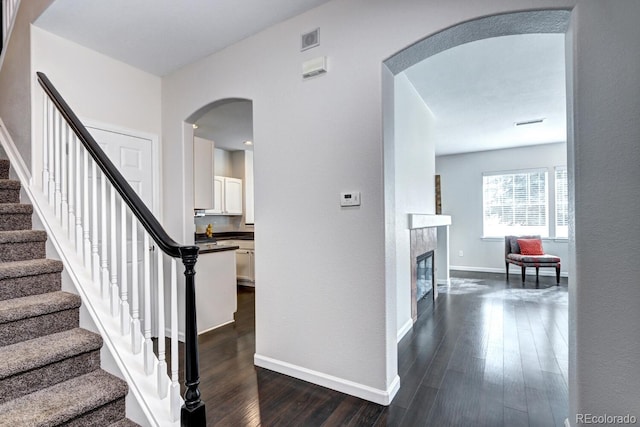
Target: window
[515,203]
[562,202]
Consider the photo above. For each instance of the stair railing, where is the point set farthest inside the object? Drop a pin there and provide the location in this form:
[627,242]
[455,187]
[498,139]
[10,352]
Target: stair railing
[109,224]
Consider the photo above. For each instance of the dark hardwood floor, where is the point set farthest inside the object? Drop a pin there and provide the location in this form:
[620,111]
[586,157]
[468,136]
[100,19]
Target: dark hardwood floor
[487,353]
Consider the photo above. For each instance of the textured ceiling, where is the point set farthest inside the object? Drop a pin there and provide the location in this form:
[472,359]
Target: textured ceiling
[478,91]
[160,36]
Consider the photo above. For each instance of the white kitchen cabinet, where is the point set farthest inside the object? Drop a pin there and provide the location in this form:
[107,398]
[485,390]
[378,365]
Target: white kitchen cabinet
[244,264]
[202,173]
[245,260]
[227,196]
[232,196]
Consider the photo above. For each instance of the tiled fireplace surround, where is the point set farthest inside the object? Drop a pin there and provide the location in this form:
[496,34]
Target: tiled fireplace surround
[423,231]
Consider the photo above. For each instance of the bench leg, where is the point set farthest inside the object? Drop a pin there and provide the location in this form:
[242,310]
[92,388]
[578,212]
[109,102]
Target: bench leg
[537,271]
[524,270]
[506,264]
[558,275]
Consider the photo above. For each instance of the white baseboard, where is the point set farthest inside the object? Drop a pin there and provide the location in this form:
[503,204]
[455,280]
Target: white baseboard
[530,271]
[381,397]
[445,282]
[408,325]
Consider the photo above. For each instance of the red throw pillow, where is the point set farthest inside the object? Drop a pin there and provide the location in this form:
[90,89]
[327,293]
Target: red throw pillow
[531,246]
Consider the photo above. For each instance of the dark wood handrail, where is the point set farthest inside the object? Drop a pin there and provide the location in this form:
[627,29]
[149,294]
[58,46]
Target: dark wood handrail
[193,411]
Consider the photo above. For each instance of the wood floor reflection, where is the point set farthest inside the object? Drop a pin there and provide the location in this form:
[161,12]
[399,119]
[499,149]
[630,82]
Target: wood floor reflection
[488,353]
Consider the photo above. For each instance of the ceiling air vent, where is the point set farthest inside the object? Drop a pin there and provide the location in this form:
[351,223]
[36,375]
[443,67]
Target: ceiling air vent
[529,122]
[310,39]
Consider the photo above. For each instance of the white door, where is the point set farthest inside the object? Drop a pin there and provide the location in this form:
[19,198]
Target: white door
[133,157]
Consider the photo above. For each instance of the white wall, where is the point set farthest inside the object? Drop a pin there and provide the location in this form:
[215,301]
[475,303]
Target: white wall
[604,366]
[414,181]
[222,162]
[95,86]
[314,139]
[15,78]
[324,308]
[461,184]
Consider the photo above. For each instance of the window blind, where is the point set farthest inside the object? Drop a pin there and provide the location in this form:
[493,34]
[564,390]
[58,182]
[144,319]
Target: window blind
[562,202]
[515,203]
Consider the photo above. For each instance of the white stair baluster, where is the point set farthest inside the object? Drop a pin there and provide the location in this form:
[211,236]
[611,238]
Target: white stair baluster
[71,223]
[46,125]
[125,317]
[148,344]
[175,385]
[78,198]
[95,257]
[64,206]
[163,383]
[56,167]
[51,144]
[113,220]
[136,336]
[85,209]
[104,265]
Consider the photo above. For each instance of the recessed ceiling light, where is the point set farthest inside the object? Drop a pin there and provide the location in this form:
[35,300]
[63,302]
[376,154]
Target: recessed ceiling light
[530,122]
[248,142]
[195,126]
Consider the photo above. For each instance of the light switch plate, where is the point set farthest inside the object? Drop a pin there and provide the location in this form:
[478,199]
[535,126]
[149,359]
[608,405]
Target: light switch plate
[351,198]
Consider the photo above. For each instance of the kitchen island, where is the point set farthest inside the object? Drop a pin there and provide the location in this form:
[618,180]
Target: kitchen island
[245,255]
[216,293]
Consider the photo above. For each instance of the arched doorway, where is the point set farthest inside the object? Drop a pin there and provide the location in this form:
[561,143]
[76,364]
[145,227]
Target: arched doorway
[397,225]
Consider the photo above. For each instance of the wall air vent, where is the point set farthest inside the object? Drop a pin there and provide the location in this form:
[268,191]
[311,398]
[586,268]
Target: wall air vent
[310,39]
[530,122]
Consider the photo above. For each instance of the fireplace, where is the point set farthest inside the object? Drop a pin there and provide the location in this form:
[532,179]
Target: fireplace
[424,279]
[423,243]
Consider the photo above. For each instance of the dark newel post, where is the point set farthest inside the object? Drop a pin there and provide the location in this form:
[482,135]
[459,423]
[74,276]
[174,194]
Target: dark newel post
[193,411]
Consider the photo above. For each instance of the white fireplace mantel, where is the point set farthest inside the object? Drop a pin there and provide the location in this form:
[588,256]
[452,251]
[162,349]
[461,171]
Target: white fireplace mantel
[426,220]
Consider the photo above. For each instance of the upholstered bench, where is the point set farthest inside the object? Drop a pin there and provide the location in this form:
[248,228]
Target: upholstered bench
[528,253]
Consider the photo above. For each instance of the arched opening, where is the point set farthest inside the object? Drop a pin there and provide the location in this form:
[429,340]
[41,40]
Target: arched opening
[410,165]
[221,137]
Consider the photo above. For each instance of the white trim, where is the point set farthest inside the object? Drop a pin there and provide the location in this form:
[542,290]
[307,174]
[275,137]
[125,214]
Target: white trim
[530,271]
[381,397]
[155,155]
[567,423]
[130,365]
[445,282]
[181,337]
[17,163]
[408,325]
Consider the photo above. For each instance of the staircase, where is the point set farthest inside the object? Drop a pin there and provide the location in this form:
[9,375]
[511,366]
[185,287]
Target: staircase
[49,368]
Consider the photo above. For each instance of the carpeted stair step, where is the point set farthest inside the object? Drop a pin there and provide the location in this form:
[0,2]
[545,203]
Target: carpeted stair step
[29,366]
[31,277]
[35,316]
[22,244]
[125,422]
[15,216]
[4,168]
[9,191]
[93,399]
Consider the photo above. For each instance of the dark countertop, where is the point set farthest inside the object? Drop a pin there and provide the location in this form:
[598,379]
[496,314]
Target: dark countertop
[224,235]
[206,248]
